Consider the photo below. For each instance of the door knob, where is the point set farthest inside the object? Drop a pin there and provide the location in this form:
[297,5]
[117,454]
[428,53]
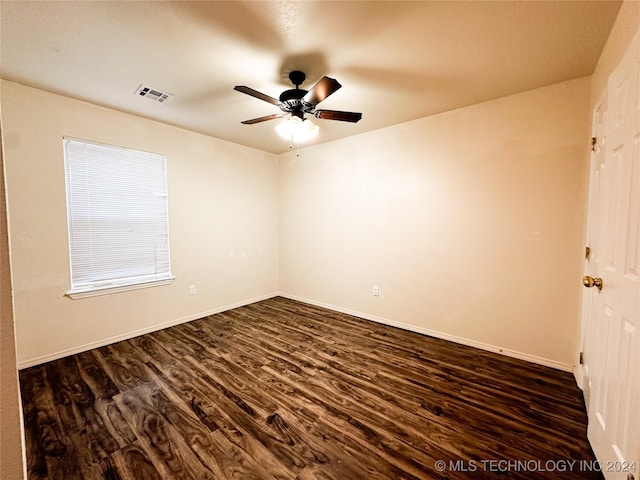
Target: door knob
[592,282]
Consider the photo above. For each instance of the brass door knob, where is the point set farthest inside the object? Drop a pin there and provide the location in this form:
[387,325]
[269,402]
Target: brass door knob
[592,282]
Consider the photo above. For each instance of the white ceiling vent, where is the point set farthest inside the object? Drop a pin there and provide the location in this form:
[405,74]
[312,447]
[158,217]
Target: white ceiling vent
[153,94]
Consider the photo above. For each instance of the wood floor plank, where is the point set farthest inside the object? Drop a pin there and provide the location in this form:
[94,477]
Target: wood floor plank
[109,416]
[315,391]
[57,455]
[31,386]
[160,439]
[281,390]
[129,463]
[222,411]
[460,387]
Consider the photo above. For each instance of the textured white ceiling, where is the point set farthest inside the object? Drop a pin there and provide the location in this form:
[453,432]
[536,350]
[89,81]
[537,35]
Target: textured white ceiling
[397,61]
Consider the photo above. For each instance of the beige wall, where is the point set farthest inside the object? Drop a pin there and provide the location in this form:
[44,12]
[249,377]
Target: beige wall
[223,221]
[10,433]
[470,222]
[466,220]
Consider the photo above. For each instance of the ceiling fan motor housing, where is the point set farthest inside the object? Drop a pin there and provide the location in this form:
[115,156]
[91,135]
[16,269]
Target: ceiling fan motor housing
[292,101]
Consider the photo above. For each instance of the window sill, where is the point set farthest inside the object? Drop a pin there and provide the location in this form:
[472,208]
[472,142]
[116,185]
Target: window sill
[78,294]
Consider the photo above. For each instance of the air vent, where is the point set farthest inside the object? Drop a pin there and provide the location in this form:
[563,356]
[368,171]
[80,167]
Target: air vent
[153,94]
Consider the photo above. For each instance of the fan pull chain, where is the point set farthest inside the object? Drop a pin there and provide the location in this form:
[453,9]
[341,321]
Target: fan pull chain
[291,143]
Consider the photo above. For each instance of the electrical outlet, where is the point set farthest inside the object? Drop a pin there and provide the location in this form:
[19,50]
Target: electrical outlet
[192,290]
[375,291]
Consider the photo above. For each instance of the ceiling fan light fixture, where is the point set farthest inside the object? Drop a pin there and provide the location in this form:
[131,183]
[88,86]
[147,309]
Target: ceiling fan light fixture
[297,130]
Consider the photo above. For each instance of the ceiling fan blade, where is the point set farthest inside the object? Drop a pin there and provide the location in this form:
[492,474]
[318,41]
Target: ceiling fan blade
[338,115]
[321,90]
[257,94]
[262,119]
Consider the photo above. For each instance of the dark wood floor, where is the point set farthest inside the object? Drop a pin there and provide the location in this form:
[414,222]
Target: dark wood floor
[284,390]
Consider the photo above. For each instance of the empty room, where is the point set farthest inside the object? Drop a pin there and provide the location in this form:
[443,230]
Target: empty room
[332,240]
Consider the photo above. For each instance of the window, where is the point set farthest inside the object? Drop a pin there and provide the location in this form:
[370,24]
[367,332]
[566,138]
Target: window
[118,219]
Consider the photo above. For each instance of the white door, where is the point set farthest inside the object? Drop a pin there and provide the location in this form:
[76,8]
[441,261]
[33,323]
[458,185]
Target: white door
[611,320]
[590,268]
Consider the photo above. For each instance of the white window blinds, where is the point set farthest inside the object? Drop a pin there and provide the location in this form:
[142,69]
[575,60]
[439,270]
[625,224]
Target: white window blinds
[117,214]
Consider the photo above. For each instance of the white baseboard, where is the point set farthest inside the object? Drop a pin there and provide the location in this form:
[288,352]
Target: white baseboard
[136,333]
[578,373]
[385,321]
[566,367]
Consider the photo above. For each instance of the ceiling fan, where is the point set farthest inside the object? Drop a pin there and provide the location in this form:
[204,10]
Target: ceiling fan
[297,102]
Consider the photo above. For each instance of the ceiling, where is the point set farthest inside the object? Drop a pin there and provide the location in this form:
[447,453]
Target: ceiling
[397,61]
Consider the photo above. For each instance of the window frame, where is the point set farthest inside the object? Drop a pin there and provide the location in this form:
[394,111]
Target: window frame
[95,285]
